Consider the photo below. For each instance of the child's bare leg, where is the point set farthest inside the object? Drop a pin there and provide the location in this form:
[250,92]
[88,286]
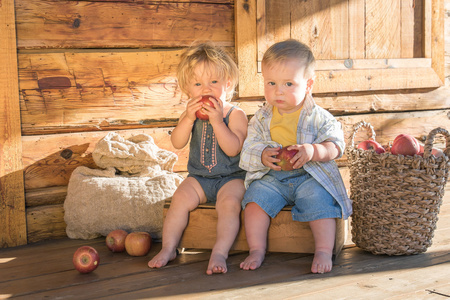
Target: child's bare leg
[256,226]
[228,207]
[186,198]
[324,232]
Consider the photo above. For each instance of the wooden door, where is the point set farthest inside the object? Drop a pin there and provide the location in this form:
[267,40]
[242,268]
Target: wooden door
[360,45]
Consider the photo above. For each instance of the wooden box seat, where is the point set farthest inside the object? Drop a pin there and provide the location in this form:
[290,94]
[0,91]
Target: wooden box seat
[285,235]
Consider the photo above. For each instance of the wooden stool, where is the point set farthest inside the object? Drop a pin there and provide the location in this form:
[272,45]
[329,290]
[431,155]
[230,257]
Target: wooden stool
[285,235]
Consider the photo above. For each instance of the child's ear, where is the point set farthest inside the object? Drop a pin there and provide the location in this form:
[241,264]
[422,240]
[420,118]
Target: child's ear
[229,84]
[309,85]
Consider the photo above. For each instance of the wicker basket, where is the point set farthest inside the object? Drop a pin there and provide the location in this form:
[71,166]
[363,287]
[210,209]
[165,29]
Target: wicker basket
[396,198]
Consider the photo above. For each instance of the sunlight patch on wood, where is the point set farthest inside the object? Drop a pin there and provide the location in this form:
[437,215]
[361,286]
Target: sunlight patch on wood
[5,260]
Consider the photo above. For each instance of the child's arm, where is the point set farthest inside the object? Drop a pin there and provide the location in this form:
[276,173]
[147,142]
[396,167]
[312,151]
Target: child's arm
[258,141]
[231,138]
[327,145]
[325,151]
[182,132]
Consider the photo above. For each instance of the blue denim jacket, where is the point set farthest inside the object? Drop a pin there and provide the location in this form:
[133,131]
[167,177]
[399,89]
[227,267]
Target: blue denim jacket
[315,125]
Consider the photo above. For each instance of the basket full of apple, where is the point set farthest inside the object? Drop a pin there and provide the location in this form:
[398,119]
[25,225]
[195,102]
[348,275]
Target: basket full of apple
[396,190]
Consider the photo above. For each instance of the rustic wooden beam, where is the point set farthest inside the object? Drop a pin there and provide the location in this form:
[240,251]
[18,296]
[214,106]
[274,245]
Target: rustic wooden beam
[74,91]
[13,230]
[46,222]
[246,48]
[438,39]
[46,196]
[122,24]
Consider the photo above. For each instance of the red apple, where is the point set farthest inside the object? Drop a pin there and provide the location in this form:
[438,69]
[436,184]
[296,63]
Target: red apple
[405,144]
[371,145]
[421,150]
[199,113]
[138,243]
[285,156]
[435,151]
[115,240]
[86,259]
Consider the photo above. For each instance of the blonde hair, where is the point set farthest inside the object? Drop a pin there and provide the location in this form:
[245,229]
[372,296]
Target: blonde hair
[290,49]
[209,55]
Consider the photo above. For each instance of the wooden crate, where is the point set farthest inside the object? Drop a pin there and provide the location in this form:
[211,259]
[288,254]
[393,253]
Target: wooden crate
[285,235]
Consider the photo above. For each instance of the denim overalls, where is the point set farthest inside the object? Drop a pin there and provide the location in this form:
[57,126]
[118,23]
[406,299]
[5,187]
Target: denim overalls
[208,163]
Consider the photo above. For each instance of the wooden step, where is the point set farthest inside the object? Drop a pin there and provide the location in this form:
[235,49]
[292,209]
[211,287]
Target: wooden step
[285,235]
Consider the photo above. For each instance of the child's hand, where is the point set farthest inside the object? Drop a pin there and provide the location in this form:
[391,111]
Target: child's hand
[191,108]
[305,154]
[268,158]
[215,113]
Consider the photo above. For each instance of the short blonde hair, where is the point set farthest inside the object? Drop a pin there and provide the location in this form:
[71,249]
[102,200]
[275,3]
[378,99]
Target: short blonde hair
[290,49]
[210,55]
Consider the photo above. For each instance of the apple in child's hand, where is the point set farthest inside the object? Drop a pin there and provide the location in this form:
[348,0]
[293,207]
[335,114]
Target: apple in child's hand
[285,156]
[86,259]
[371,145]
[115,240]
[138,243]
[205,100]
[405,144]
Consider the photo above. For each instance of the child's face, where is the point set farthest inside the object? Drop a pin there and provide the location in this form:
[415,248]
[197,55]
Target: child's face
[285,86]
[207,82]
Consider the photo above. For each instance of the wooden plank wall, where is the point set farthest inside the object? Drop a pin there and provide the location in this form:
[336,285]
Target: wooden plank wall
[88,67]
[12,204]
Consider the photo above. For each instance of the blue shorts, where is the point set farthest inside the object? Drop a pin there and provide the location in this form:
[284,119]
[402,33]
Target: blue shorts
[310,200]
[212,185]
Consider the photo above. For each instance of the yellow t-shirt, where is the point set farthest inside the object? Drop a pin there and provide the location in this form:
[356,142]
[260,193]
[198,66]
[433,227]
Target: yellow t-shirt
[283,128]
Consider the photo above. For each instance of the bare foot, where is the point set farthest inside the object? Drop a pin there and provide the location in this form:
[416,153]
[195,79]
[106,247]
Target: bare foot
[322,262]
[254,260]
[217,264]
[162,258]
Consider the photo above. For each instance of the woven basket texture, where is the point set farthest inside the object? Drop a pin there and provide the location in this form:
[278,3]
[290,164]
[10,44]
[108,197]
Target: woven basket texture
[396,198]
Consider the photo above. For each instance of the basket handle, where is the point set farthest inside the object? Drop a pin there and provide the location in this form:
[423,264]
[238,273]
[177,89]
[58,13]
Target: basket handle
[428,147]
[356,127]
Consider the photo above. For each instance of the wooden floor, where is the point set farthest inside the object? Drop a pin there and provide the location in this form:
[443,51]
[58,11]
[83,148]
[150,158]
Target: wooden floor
[45,271]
